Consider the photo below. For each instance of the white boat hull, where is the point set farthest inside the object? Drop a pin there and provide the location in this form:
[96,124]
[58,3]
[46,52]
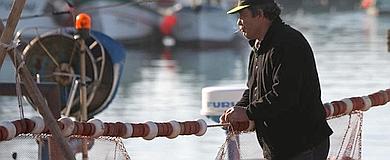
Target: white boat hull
[32,8]
[383,6]
[209,24]
[123,22]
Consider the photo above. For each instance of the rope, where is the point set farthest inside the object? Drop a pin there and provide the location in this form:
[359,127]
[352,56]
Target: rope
[96,128]
[19,96]
[231,145]
[149,130]
[344,138]
[9,47]
[353,139]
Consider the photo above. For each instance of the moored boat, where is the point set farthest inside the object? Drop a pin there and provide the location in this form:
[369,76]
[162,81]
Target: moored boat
[376,7]
[31,15]
[383,6]
[205,24]
[124,21]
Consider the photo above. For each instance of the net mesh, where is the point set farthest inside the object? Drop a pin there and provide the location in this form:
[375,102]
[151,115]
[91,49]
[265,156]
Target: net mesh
[30,146]
[345,142]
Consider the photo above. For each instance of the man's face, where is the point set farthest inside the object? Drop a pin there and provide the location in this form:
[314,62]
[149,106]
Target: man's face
[249,24]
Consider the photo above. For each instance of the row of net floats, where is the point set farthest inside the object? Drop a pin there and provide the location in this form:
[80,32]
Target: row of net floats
[149,130]
[364,103]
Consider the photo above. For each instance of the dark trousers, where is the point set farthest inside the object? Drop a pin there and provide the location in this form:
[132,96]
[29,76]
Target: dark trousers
[319,152]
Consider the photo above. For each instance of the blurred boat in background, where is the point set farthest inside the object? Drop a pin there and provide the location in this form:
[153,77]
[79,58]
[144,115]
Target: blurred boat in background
[127,21]
[376,7]
[124,20]
[201,23]
[204,23]
[318,5]
[328,5]
[383,6]
[32,15]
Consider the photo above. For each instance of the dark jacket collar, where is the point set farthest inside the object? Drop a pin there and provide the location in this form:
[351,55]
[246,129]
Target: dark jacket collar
[266,42]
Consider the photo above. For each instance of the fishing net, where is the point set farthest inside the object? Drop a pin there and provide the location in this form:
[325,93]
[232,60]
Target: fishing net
[345,142]
[40,146]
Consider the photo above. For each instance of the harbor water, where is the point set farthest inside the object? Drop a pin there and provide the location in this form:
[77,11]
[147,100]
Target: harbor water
[165,84]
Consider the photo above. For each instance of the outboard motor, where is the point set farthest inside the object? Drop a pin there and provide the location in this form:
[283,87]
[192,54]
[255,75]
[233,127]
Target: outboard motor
[215,100]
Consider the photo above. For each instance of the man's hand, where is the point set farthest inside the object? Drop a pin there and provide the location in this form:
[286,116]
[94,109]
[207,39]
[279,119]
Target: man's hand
[234,114]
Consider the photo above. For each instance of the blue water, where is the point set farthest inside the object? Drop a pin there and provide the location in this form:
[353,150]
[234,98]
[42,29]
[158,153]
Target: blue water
[352,59]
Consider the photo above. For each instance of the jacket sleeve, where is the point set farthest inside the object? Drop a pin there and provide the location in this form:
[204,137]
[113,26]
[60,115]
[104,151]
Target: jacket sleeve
[287,79]
[244,101]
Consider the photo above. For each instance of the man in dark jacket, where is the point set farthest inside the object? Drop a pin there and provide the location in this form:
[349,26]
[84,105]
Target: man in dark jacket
[283,96]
